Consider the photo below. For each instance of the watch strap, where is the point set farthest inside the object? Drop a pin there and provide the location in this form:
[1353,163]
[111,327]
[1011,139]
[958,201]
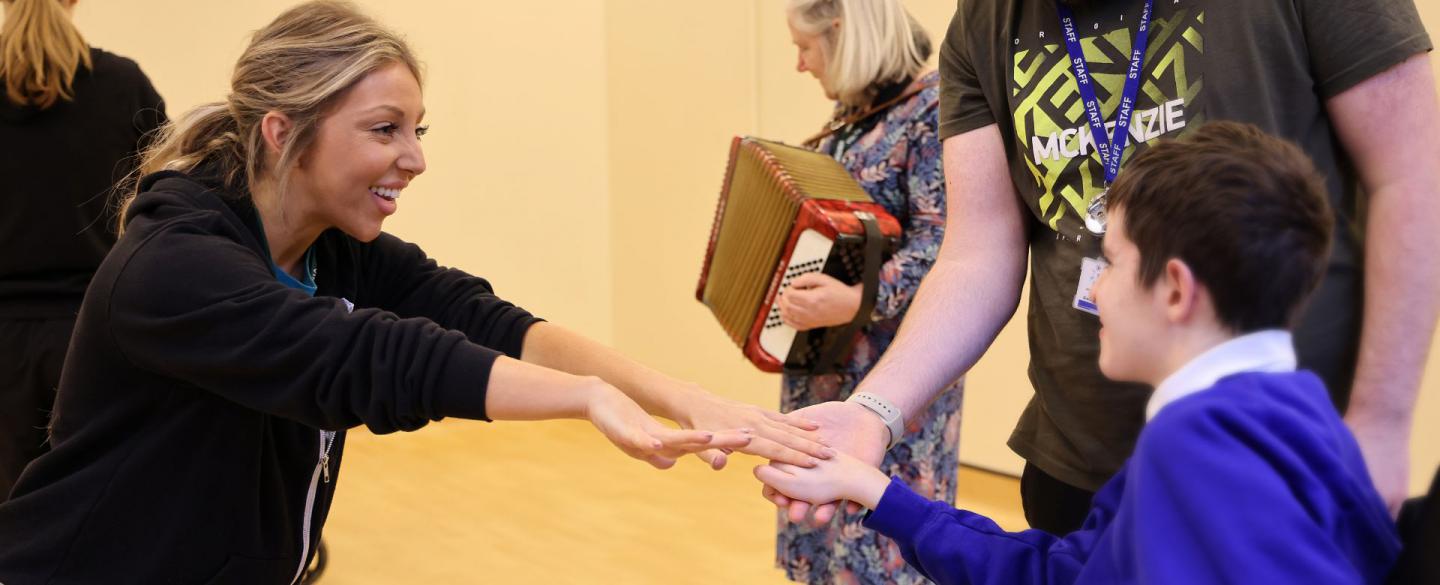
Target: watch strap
[887,412]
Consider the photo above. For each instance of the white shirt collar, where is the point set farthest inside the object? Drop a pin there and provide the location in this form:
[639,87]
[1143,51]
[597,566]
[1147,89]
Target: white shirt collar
[1271,350]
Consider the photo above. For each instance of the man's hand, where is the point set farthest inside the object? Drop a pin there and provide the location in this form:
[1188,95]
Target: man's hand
[849,428]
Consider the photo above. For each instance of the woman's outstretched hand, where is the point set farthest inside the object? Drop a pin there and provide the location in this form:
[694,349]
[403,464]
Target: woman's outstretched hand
[635,432]
[787,438]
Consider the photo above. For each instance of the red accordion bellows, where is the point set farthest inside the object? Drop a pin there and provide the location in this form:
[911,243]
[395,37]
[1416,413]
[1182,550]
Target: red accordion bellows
[786,211]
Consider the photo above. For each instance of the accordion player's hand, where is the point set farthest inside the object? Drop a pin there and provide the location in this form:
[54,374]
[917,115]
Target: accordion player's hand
[818,300]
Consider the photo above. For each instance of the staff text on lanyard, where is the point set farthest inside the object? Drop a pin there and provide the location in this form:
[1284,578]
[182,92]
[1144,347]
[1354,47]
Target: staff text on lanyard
[1110,150]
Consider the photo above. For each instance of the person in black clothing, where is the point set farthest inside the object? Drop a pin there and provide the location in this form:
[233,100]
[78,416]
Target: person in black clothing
[73,119]
[253,310]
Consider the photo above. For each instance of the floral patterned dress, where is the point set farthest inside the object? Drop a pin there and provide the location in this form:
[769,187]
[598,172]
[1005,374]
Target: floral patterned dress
[896,158]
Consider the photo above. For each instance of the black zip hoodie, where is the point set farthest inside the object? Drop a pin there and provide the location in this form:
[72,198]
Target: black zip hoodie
[187,431]
[58,166]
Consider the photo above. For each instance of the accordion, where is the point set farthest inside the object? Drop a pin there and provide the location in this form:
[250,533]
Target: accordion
[783,212]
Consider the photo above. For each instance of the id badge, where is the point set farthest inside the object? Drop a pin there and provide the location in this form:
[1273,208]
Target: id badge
[1090,269]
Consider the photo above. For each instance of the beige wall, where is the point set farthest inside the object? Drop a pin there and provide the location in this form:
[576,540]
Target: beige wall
[576,155]
[681,83]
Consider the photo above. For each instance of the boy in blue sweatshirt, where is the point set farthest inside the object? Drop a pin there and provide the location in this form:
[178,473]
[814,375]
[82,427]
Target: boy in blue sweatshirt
[1244,472]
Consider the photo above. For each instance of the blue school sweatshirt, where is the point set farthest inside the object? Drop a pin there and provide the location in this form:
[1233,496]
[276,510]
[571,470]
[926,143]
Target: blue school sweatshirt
[1255,480]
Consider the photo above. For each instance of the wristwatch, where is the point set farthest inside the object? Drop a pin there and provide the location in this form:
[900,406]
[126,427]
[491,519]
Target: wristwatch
[886,411]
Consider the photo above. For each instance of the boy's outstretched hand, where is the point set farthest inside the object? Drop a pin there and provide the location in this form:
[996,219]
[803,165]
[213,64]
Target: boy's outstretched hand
[839,478]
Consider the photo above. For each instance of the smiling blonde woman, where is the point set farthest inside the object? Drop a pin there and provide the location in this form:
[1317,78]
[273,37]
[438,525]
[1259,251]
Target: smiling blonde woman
[253,310]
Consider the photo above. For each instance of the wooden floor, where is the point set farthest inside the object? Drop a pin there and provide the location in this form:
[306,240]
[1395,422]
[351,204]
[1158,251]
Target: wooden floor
[467,502]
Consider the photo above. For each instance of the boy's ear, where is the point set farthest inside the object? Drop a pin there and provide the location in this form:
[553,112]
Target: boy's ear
[1180,291]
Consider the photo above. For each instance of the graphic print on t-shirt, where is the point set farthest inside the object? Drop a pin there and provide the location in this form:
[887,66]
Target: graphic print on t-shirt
[1055,139]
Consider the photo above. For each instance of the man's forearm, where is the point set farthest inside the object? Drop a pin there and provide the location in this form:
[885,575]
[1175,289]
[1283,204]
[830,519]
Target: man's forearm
[1399,166]
[952,321]
[1402,298]
[974,287]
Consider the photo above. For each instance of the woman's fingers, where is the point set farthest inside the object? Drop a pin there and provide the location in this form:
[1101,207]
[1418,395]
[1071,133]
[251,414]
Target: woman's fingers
[707,445]
[679,442]
[769,449]
[733,439]
[796,300]
[807,442]
[659,461]
[787,312]
[794,309]
[792,424]
[793,420]
[810,280]
[715,458]
[784,468]
[682,439]
[640,445]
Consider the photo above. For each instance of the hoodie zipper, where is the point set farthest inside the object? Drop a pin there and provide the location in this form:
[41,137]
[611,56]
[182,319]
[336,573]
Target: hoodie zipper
[322,470]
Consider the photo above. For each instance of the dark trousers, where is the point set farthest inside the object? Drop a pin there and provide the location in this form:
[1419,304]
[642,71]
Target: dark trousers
[1419,526]
[31,354]
[1052,505]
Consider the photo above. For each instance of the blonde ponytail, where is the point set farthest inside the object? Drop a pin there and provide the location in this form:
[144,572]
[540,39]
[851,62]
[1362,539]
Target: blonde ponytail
[40,53]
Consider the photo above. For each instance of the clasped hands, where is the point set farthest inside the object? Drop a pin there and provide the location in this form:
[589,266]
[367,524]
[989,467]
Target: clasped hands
[851,475]
[819,455]
[712,428]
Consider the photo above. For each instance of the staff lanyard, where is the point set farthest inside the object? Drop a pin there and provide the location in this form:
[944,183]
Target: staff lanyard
[1110,150]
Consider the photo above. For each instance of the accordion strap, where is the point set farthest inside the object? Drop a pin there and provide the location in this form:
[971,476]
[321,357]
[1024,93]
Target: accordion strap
[834,126]
[841,339]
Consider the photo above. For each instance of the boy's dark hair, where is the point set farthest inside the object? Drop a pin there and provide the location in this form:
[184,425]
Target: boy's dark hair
[1244,210]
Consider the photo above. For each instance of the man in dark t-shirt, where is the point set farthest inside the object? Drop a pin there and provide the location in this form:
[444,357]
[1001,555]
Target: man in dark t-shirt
[1349,81]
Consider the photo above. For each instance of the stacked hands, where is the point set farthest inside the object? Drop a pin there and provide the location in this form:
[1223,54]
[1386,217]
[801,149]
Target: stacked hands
[859,439]
[819,455]
[712,428]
